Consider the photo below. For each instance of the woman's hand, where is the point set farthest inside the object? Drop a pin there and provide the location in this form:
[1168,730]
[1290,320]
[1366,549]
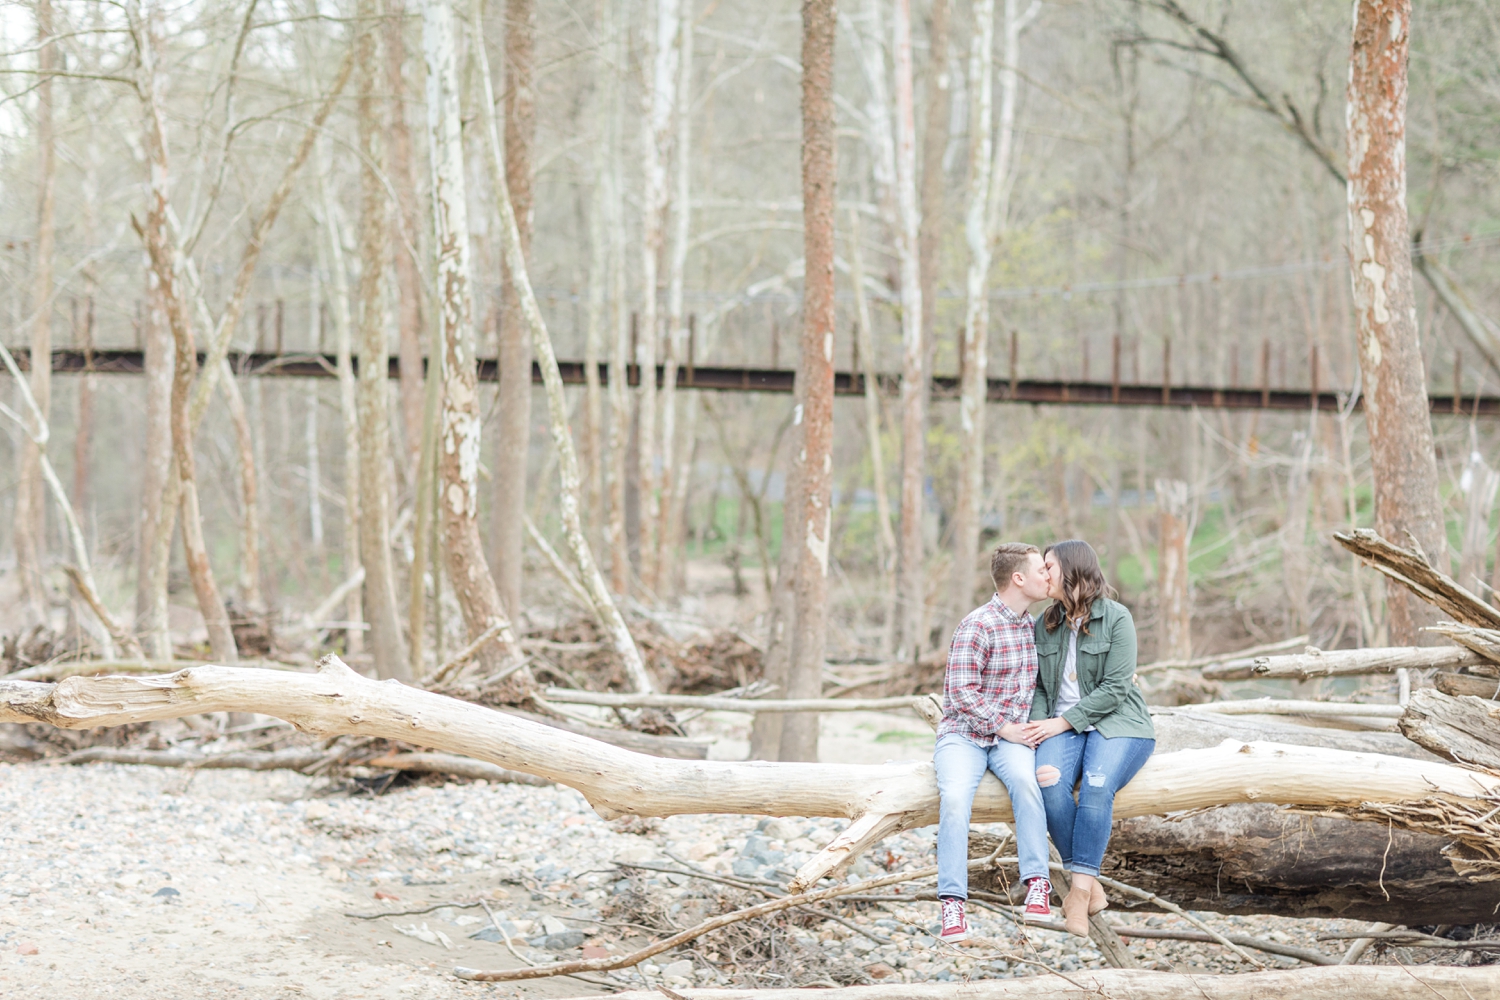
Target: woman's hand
[1047,728]
[1024,733]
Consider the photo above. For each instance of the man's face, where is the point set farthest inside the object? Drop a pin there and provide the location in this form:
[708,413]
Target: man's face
[1032,579]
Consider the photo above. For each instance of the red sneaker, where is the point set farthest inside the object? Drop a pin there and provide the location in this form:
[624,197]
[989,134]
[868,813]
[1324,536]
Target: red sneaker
[955,927]
[1038,898]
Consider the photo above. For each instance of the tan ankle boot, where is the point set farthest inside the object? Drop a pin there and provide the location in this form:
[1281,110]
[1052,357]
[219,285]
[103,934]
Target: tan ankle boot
[1097,899]
[1075,909]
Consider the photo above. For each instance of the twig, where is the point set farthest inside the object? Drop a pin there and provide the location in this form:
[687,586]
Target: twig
[499,627]
[697,931]
[714,703]
[1174,908]
[413,913]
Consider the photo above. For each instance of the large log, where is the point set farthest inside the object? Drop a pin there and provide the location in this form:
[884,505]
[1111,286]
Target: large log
[1258,858]
[881,799]
[1470,684]
[1464,728]
[1353,662]
[1334,982]
[1181,729]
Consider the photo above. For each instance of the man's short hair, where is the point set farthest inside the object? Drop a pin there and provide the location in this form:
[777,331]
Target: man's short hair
[1009,558]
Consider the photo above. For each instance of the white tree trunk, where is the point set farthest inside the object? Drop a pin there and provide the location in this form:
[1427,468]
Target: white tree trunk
[911,588]
[666,533]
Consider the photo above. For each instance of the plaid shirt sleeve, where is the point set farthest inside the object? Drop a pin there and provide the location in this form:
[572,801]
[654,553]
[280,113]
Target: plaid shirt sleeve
[964,682]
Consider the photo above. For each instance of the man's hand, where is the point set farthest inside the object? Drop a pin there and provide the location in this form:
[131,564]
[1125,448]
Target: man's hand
[1025,733]
[1047,728]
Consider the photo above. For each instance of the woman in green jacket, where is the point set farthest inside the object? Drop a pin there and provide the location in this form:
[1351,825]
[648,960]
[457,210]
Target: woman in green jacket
[1094,725]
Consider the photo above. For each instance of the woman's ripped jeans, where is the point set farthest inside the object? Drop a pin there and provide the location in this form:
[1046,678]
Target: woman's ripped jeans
[1098,767]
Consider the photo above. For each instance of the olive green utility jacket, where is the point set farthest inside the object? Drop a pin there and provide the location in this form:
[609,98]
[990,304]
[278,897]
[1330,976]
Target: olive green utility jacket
[1111,702]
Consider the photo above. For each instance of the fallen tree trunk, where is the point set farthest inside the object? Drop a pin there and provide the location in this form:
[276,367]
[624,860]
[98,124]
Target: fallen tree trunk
[1256,858]
[1223,659]
[709,703]
[1285,706]
[1179,729]
[1352,662]
[1411,568]
[1470,684]
[881,799]
[1337,982]
[1484,641]
[1464,729]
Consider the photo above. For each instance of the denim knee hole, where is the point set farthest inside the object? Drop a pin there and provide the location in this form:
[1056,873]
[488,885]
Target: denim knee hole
[1094,780]
[1047,776]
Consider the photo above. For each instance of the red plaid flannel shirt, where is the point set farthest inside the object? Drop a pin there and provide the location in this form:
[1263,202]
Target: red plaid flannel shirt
[991,675]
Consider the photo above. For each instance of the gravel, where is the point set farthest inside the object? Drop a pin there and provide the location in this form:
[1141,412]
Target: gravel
[121,881]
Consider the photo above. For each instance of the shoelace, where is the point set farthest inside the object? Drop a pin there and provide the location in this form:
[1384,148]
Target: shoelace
[953,912]
[1039,891]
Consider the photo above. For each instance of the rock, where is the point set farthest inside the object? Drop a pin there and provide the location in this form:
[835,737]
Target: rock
[634,853]
[167,894]
[387,895]
[563,941]
[551,925]
[680,968]
[27,948]
[746,867]
[594,951]
[778,829]
[128,881]
[316,811]
[425,935]
[880,971]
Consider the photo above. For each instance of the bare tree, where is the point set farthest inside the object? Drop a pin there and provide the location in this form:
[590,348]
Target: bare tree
[1390,356]
[812,504]
[157,515]
[1175,596]
[373,404]
[402,173]
[911,587]
[513,437]
[244,444]
[459,443]
[612,181]
[31,504]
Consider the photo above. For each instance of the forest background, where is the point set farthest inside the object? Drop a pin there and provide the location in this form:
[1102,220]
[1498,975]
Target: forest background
[1144,193]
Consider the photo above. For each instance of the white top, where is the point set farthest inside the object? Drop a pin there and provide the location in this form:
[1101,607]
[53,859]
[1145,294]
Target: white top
[1068,694]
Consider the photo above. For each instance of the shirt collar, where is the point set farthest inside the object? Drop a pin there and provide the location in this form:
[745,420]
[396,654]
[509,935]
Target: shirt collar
[1008,613]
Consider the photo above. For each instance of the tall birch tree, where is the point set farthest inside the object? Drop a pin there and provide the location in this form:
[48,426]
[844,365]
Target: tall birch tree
[513,435]
[459,443]
[911,587]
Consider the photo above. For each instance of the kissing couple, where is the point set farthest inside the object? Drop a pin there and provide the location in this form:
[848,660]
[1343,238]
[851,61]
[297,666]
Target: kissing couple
[1049,705]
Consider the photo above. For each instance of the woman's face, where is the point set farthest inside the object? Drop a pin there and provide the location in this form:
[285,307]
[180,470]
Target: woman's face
[1054,577]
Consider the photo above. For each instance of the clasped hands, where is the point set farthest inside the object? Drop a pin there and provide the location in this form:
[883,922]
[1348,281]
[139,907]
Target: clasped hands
[1031,734]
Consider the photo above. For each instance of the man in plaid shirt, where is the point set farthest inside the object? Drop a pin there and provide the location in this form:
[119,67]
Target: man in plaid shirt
[987,693]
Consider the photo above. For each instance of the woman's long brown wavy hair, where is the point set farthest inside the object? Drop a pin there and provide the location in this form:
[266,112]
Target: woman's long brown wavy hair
[1083,582]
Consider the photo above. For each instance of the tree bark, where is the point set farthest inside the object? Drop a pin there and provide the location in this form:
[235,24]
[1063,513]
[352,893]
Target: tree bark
[598,287]
[931,228]
[591,580]
[373,403]
[619,321]
[459,443]
[513,434]
[1390,357]
[83,436]
[911,587]
[31,503]
[402,173]
[812,504]
[1176,602]
[1256,858]
[883,799]
[1464,728]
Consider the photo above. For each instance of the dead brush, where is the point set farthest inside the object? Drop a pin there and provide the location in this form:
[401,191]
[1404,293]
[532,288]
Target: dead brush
[761,952]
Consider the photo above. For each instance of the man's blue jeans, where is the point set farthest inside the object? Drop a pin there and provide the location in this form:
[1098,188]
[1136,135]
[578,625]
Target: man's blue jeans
[960,764]
[1080,828]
